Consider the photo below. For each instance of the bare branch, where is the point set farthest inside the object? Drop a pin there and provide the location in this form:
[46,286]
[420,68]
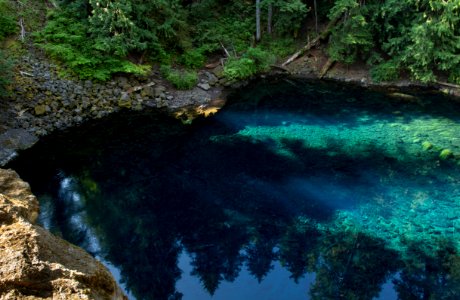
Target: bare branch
[26,74]
[22,35]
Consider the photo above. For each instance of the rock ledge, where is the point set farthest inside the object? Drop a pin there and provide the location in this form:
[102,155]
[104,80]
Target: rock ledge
[34,264]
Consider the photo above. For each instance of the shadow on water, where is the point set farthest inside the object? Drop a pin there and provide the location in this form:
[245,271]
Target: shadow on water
[149,189]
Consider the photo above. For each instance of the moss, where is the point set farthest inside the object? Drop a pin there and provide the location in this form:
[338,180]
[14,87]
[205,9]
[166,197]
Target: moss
[40,110]
[89,184]
[427,145]
[445,154]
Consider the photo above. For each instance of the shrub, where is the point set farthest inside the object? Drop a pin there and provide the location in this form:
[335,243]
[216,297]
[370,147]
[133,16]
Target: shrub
[237,69]
[66,40]
[8,24]
[181,79]
[262,59]
[194,58]
[255,60]
[386,71]
[280,47]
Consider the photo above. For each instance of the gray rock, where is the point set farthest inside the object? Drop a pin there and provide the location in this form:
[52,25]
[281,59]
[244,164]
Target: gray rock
[159,90]
[88,84]
[204,86]
[124,96]
[212,80]
[17,139]
[150,103]
[6,155]
[218,71]
[148,92]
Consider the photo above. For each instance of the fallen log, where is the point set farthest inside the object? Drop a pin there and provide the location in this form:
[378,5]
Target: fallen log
[301,51]
[327,66]
[451,85]
[315,42]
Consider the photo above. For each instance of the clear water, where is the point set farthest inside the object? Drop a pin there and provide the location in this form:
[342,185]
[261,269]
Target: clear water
[295,190]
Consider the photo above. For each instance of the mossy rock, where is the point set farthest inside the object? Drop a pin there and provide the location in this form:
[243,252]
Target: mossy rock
[427,145]
[446,154]
[40,110]
[125,101]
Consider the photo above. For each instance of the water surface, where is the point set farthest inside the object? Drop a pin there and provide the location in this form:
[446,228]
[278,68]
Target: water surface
[295,190]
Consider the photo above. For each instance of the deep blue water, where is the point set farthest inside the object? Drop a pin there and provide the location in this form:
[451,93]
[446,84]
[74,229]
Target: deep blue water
[295,190]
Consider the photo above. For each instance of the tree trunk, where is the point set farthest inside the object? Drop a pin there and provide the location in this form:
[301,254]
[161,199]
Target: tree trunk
[258,34]
[316,16]
[269,19]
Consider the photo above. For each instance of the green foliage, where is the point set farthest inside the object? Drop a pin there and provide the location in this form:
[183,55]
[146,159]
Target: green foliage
[280,47]
[8,23]
[352,38]
[8,26]
[386,71]
[255,60]
[431,42]
[6,65]
[122,27]
[95,38]
[263,59]
[421,37]
[195,58]
[454,76]
[231,25]
[289,16]
[66,39]
[181,79]
[237,69]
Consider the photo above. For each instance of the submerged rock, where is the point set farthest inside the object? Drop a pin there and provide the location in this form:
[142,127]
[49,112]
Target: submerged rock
[427,145]
[38,265]
[446,153]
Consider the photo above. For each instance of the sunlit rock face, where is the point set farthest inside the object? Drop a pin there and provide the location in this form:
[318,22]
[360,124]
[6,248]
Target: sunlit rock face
[34,264]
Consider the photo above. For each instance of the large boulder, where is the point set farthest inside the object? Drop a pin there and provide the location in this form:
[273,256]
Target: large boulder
[34,264]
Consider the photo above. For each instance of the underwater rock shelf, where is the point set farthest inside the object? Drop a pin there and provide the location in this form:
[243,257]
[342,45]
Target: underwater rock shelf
[294,190]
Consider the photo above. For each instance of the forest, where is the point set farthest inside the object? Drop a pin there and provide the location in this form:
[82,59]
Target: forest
[95,39]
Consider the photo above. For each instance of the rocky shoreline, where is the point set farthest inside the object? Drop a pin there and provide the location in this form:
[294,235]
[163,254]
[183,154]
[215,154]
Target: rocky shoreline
[42,102]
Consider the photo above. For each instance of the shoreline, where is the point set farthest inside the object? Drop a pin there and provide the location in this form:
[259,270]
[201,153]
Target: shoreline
[42,102]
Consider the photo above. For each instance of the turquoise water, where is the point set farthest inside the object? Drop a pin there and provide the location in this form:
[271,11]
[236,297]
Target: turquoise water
[295,190]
